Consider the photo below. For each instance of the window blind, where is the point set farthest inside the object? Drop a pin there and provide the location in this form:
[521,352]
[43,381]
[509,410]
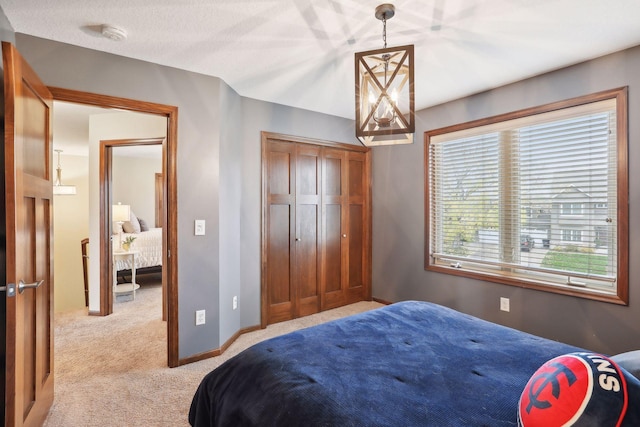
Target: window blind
[534,197]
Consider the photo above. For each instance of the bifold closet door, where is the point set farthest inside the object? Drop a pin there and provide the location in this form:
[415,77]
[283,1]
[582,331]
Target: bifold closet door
[359,228]
[316,226]
[279,223]
[345,231]
[292,231]
[335,230]
[307,239]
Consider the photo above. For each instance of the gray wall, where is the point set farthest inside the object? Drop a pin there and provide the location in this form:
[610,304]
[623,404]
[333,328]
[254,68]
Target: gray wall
[398,218]
[218,168]
[231,177]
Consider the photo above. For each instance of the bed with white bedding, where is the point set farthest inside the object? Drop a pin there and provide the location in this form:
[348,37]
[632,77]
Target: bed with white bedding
[149,247]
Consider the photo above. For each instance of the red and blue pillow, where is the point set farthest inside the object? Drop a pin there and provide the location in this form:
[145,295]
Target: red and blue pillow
[580,389]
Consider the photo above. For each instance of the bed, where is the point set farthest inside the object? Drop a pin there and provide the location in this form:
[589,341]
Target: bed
[149,246]
[407,364]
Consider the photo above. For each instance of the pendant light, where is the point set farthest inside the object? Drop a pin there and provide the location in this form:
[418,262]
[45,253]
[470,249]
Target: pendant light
[385,106]
[58,188]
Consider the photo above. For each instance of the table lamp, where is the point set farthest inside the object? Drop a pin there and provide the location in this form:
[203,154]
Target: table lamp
[120,213]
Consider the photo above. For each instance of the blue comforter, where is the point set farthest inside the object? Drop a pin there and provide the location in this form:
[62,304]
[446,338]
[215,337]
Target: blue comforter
[407,364]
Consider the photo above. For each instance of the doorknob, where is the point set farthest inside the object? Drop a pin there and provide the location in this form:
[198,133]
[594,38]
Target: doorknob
[22,286]
[11,287]
[344,235]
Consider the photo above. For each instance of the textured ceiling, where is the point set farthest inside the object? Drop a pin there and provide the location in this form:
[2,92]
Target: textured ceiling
[301,52]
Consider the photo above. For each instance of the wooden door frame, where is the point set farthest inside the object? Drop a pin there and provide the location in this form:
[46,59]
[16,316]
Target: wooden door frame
[106,201]
[170,220]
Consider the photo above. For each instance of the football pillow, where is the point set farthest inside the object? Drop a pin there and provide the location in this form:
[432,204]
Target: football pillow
[580,389]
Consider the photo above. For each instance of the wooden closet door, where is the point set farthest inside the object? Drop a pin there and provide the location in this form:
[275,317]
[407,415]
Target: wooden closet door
[316,238]
[359,230]
[308,248]
[292,230]
[279,224]
[335,230]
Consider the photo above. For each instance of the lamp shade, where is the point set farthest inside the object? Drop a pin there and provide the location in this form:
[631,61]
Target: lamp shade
[120,213]
[64,190]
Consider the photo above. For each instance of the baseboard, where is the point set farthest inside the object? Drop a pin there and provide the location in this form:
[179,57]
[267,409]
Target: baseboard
[218,351]
[200,356]
[381,301]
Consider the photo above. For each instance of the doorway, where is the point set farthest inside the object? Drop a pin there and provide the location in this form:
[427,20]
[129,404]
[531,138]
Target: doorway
[132,179]
[169,211]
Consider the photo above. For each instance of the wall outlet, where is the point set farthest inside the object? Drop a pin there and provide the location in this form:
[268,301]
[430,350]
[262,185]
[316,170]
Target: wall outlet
[235,302]
[199,227]
[200,317]
[504,304]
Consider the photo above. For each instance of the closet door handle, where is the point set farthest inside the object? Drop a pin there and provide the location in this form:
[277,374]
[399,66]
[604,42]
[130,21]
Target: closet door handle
[344,235]
[298,239]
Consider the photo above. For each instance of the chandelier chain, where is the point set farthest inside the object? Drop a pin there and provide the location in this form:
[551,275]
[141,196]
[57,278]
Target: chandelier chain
[384,31]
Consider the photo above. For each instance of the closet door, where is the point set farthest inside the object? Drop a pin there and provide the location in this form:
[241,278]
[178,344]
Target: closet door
[358,226]
[316,238]
[291,262]
[307,230]
[346,231]
[335,229]
[279,293]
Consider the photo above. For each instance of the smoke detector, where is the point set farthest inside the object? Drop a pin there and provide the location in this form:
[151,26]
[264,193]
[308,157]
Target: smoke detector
[113,33]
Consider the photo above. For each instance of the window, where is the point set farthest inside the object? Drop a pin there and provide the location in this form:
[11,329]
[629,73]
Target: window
[535,198]
[572,235]
[572,209]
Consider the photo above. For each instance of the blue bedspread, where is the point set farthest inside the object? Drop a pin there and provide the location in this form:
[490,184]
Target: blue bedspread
[407,364]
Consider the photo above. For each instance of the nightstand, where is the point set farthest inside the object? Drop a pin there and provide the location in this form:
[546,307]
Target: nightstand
[125,288]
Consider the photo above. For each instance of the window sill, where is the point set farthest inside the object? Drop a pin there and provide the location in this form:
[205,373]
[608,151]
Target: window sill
[574,291]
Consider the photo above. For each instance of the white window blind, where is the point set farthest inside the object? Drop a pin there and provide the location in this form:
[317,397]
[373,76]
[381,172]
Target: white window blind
[533,198]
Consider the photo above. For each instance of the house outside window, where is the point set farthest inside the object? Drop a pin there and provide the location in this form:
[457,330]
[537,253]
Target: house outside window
[535,198]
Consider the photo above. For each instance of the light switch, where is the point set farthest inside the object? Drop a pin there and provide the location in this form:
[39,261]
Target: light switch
[199,227]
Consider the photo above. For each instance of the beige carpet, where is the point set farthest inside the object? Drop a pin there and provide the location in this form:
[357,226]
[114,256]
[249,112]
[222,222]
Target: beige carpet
[112,371]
